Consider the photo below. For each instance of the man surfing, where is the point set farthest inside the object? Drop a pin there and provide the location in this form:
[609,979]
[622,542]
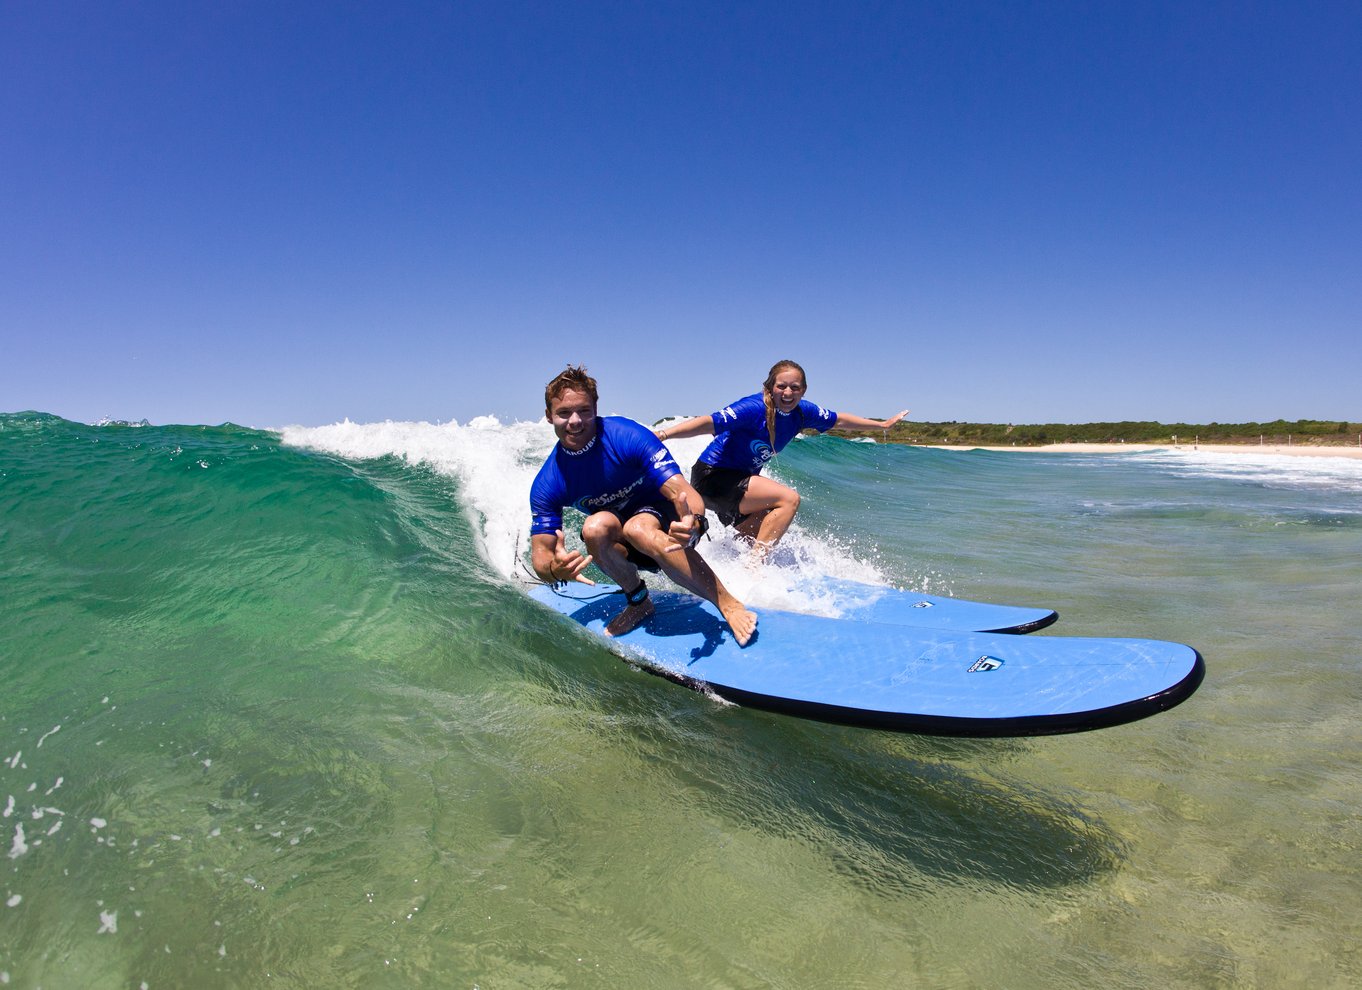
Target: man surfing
[641,513]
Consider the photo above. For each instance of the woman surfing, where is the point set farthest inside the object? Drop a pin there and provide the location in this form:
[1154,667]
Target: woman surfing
[747,434]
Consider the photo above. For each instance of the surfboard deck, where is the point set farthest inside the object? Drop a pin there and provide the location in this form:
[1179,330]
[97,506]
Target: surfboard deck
[875,603]
[878,603]
[890,676]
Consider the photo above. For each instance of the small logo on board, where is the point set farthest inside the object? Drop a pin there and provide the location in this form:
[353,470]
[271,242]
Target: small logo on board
[985,663]
[922,604]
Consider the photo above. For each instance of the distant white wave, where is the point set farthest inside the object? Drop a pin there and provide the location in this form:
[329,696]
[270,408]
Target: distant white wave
[1272,470]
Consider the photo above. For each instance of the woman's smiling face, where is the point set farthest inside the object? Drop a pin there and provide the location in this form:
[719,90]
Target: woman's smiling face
[788,389]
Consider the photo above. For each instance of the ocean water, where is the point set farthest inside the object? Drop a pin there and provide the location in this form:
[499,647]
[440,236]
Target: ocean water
[275,712]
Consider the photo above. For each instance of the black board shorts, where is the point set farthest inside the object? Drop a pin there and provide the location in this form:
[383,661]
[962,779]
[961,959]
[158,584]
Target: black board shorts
[664,511]
[722,489]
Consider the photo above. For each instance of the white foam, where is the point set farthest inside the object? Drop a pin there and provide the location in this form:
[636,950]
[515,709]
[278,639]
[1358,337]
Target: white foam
[19,846]
[1272,470]
[494,465]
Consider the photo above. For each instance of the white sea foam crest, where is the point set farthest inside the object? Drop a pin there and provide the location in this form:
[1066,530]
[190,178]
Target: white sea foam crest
[1272,470]
[495,464]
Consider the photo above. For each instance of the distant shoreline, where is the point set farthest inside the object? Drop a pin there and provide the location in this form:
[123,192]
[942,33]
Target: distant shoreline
[1279,435]
[1290,450]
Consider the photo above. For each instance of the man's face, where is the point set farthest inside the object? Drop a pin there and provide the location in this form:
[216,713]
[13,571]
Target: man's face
[573,416]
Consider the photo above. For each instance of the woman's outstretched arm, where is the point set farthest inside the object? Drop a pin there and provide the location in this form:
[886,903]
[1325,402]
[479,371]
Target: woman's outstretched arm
[846,421]
[687,428]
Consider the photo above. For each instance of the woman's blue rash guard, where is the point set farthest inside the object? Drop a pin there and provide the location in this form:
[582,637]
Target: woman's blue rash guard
[741,440]
[621,469]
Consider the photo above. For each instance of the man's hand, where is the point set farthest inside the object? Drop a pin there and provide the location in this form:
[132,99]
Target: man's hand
[567,565]
[687,531]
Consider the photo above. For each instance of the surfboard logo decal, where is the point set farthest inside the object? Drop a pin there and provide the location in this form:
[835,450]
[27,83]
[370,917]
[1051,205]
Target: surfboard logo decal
[922,604]
[985,664]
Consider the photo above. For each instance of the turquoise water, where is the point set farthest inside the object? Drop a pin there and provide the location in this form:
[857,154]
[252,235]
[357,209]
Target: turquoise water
[276,713]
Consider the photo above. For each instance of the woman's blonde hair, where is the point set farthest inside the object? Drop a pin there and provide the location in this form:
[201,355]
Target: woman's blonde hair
[768,393]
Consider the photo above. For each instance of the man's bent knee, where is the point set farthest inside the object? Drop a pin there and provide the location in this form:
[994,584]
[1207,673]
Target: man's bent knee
[603,526]
[644,533]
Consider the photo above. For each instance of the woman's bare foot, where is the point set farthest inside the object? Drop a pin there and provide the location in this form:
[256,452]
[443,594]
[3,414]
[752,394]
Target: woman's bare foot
[629,618]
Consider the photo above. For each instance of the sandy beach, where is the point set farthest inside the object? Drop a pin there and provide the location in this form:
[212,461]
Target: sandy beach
[1290,450]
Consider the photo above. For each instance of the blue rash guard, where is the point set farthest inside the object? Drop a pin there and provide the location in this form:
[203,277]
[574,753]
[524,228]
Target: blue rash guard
[621,469]
[741,440]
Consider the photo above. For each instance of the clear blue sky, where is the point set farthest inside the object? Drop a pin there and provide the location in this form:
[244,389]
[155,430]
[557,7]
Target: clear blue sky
[277,213]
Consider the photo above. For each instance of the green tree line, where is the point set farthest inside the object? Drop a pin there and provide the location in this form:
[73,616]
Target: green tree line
[1280,431]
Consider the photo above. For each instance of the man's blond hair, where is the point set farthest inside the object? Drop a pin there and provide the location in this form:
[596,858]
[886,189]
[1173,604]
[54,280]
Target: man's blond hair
[573,378]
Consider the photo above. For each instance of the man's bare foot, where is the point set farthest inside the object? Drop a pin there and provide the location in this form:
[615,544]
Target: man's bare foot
[629,618]
[742,621]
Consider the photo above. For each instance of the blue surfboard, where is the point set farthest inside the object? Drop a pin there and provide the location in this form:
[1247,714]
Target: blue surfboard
[874,603]
[878,603]
[888,676]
